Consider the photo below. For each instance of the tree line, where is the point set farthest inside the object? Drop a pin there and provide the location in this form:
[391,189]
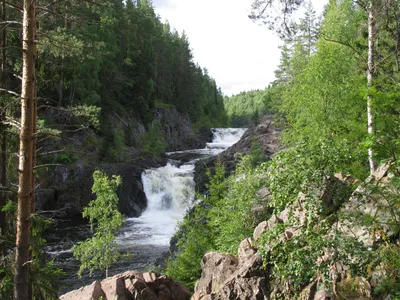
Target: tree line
[336,96]
[92,57]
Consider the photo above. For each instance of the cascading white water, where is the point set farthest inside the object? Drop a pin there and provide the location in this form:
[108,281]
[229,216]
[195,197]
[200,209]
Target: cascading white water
[170,191]
[225,137]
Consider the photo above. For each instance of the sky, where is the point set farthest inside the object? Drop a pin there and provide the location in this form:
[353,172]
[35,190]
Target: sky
[241,55]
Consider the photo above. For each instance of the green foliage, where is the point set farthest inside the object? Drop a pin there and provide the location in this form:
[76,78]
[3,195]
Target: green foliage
[388,259]
[152,143]
[247,107]
[87,115]
[220,221]
[195,238]
[43,274]
[305,167]
[100,251]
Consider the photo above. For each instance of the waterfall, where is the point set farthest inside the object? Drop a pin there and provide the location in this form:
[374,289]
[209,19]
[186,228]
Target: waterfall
[170,192]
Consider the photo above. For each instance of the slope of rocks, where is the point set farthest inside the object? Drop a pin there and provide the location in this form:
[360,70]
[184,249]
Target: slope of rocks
[131,285]
[246,277]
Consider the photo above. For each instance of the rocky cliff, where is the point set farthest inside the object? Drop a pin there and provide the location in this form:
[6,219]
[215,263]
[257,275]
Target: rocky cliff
[251,275]
[69,161]
[265,133]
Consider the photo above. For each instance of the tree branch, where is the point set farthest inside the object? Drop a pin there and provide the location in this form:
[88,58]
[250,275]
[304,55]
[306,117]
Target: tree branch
[10,92]
[14,6]
[344,44]
[48,165]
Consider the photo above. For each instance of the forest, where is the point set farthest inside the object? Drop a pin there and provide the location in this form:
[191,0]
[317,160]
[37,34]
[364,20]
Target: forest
[337,98]
[84,68]
[329,199]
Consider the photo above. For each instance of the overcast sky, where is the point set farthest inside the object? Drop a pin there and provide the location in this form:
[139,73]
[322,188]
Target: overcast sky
[238,53]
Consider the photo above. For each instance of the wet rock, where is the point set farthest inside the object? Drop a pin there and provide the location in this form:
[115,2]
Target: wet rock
[44,198]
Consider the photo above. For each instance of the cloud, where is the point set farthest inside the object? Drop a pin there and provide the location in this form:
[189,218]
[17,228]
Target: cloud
[238,53]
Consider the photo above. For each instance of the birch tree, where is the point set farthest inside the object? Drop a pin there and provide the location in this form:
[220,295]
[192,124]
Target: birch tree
[277,14]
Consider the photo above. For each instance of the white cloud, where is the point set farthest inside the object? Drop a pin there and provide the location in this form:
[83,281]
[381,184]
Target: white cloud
[238,53]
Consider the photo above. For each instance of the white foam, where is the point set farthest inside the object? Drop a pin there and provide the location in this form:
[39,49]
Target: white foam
[170,192]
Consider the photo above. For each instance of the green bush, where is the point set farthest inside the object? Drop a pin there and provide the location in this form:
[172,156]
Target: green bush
[220,221]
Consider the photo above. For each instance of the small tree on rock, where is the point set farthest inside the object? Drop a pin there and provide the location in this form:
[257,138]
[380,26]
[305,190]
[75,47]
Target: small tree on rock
[101,251]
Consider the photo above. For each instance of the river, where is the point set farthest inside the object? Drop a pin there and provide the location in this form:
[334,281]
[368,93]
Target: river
[170,192]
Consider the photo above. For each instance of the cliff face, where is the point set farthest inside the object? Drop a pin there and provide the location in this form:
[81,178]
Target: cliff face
[65,184]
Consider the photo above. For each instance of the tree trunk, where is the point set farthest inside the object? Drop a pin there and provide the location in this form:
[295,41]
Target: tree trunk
[3,148]
[3,158]
[370,75]
[25,168]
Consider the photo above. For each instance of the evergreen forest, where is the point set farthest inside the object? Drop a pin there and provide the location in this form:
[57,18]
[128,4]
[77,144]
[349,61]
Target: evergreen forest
[317,212]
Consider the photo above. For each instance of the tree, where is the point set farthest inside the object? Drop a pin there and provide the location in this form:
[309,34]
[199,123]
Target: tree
[284,26]
[101,251]
[25,169]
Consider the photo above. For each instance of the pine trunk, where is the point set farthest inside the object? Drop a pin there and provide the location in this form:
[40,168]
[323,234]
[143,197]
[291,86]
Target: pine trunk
[370,75]
[25,168]
[3,149]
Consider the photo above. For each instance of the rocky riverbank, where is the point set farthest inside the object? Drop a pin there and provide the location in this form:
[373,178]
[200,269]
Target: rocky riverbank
[264,133]
[70,160]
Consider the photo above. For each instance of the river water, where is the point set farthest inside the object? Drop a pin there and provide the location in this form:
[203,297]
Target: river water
[170,192]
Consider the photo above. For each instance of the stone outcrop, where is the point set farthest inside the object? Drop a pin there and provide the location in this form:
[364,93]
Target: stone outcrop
[71,188]
[131,285]
[178,131]
[265,132]
[65,186]
[227,277]
[244,277]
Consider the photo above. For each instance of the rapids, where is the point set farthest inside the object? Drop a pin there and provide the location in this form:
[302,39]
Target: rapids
[170,192]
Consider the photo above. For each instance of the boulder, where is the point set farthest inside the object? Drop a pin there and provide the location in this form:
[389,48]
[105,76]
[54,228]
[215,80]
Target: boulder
[132,285]
[90,292]
[370,201]
[246,250]
[225,277]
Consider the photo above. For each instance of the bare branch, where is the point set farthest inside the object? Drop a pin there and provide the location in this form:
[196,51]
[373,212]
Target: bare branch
[10,92]
[11,22]
[48,165]
[50,152]
[14,6]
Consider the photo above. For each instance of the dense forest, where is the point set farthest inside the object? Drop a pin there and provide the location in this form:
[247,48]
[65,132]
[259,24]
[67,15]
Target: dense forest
[84,68]
[328,201]
[100,59]
[246,107]
[336,96]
